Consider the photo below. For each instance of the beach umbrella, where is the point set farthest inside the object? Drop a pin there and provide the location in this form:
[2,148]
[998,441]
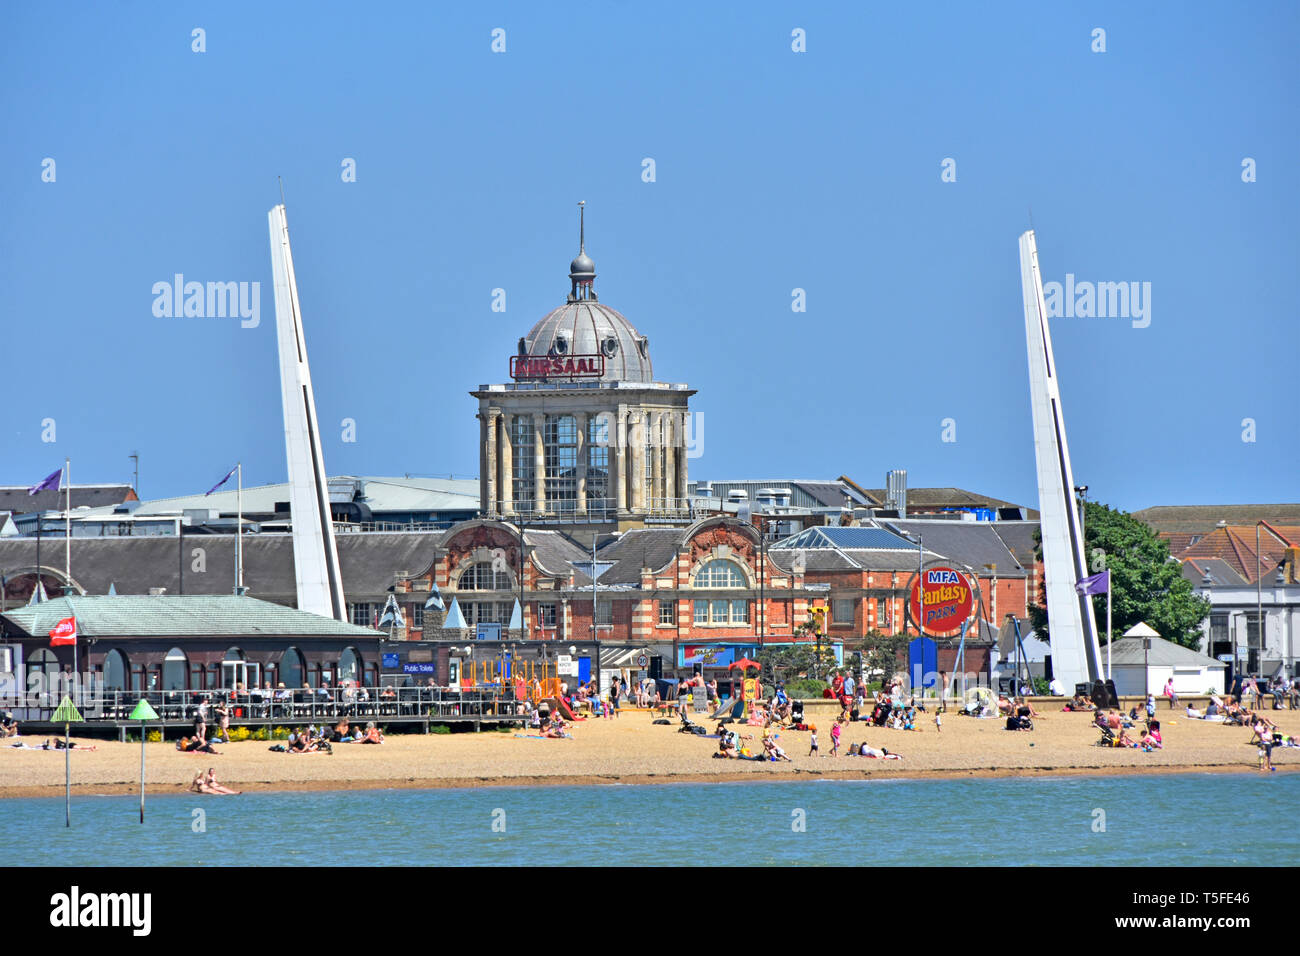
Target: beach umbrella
[142,712]
[66,714]
[743,663]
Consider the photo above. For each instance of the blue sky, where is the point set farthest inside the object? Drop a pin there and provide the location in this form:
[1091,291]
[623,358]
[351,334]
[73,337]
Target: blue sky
[775,170]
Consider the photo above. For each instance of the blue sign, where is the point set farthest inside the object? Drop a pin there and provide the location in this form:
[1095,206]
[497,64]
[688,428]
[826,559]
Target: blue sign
[923,662]
[418,669]
[392,661]
[487,631]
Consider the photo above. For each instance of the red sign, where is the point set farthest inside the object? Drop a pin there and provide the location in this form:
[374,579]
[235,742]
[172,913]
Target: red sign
[949,600]
[65,632]
[557,366]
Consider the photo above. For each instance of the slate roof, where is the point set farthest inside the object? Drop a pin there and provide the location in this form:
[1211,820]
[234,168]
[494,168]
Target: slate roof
[134,565]
[1128,650]
[974,543]
[178,616]
[948,497]
[1018,537]
[15,498]
[652,548]
[1221,573]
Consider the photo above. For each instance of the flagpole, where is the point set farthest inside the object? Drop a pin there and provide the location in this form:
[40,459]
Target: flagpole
[67,574]
[1108,640]
[67,527]
[239,532]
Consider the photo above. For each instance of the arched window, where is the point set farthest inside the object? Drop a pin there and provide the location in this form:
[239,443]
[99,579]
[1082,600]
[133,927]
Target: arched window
[349,665]
[292,671]
[116,670]
[175,670]
[481,577]
[720,573]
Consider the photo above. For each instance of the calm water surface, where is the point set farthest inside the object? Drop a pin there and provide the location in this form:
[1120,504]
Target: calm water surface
[1174,820]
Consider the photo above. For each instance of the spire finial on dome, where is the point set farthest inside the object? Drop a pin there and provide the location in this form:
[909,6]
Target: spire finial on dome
[581,270]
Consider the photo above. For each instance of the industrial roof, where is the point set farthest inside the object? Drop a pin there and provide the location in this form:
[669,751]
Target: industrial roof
[190,615]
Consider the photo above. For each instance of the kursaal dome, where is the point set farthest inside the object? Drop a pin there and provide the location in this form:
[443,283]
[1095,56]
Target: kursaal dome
[583,334]
[584,328]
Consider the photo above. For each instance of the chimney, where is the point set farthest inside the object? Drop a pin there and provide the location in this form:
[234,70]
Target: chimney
[1290,558]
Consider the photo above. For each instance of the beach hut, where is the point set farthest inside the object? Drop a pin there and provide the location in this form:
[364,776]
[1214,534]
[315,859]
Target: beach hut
[1140,669]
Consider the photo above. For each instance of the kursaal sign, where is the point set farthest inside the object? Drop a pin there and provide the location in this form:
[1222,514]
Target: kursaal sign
[948,599]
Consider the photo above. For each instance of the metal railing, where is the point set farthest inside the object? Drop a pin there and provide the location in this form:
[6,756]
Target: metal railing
[413,703]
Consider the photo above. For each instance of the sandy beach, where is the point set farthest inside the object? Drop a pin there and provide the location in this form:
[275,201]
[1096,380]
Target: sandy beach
[632,749]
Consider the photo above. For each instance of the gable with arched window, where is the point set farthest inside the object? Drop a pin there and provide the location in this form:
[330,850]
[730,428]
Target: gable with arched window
[482,576]
[720,573]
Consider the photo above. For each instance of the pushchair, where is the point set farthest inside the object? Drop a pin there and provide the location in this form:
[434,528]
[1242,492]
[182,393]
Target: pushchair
[1108,738]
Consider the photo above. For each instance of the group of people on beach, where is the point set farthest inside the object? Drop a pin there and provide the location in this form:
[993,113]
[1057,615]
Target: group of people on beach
[207,783]
[310,740]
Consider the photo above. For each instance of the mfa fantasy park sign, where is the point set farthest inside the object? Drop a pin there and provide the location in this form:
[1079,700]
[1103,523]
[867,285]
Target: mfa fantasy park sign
[557,366]
[944,602]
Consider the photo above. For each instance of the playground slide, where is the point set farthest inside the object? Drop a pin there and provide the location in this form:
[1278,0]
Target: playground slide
[726,705]
[564,709]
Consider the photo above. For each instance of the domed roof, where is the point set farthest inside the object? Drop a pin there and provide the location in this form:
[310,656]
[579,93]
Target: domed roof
[587,327]
[582,266]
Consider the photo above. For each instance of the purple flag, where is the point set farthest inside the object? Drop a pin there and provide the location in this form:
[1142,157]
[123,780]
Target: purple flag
[1097,584]
[220,483]
[51,482]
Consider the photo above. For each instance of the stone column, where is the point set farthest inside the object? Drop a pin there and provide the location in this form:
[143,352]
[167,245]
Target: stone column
[539,462]
[670,459]
[580,420]
[484,499]
[507,464]
[654,438]
[490,458]
[618,460]
[636,456]
[681,454]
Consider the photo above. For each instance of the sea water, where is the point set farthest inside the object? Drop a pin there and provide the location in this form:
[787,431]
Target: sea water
[1162,820]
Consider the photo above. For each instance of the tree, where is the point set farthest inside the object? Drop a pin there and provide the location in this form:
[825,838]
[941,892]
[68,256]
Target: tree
[1146,583]
[794,660]
[881,653]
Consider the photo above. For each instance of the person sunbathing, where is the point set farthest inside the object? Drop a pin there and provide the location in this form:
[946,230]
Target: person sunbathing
[373,734]
[773,751]
[1195,714]
[1124,740]
[866,750]
[192,745]
[70,745]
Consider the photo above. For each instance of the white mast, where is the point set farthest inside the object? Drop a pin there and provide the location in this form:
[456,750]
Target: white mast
[315,555]
[1076,653]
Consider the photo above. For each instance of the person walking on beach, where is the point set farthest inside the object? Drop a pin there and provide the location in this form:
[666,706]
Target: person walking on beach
[614,687]
[836,730]
[938,722]
[1170,694]
[813,749]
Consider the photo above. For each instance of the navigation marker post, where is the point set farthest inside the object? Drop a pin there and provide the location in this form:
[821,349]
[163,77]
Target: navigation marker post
[142,712]
[66,714]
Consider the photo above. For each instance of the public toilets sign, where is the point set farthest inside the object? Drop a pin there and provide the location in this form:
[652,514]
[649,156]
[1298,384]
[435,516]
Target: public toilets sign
[947,600]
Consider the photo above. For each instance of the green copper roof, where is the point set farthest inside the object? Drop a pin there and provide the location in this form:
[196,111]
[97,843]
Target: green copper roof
[198,615]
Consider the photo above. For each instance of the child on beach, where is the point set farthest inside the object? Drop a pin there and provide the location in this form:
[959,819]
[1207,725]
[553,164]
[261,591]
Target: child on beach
[813,749]
[836,729]
[938,722]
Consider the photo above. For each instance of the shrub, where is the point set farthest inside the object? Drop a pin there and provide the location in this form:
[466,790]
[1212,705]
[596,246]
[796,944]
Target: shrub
[440,729]
[806,688]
